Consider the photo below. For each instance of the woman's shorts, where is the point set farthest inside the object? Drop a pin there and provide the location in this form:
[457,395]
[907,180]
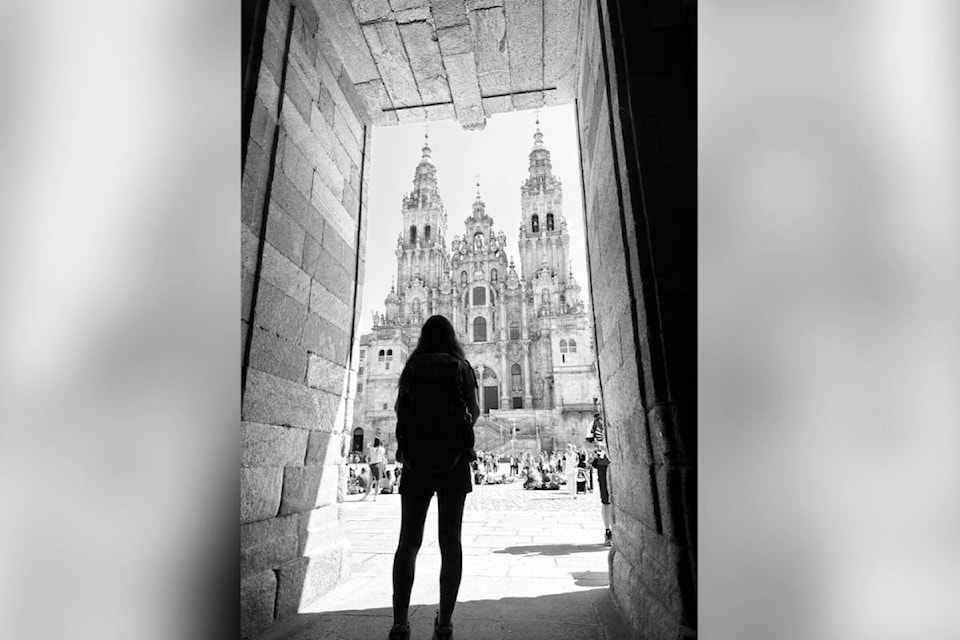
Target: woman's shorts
[456,481]
[376,470]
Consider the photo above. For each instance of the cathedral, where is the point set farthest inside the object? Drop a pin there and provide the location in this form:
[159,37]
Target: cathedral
[525,331]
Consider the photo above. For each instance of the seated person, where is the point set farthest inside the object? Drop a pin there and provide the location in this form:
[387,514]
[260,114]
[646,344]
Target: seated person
[387,483]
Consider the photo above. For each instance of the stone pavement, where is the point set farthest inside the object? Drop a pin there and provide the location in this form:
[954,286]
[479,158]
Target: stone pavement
[534,568]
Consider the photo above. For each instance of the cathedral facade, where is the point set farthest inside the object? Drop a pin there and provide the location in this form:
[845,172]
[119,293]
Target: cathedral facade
[525,332]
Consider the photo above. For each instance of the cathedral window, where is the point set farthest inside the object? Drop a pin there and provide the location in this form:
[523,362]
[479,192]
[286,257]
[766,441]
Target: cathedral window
[479,296]
[426,233]
[360,371]
[381,355]
[563,346]
[535,223]
[493,275]
[416,307]
[545,298]
[363,354]
[389,354]
[549,222]
[413,233]
[572,346]
[514,330]
[359,387]
[480,330]
[516,378]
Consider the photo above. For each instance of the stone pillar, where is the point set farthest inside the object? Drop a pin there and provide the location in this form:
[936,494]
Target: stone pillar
[527,396]
[504,377]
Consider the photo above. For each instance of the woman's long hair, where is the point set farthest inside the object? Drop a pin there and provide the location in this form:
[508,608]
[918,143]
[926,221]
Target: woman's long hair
[438,336]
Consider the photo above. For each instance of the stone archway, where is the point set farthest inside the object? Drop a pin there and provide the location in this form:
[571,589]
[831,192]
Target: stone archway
[489,389]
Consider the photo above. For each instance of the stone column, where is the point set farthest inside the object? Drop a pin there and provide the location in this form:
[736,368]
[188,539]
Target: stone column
[504,377]
[527,396]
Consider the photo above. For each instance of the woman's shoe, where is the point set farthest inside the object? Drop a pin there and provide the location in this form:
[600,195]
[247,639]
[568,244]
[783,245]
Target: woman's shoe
[442,632]
[399,632]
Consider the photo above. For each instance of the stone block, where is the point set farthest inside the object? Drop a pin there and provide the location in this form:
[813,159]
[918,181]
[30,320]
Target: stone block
[319,528]
[296,167]
[325,339]
[279,312]
[338,224]
[268,544]
[525,101]
[297,205]
[386,46]
[278,356]
[348,136]
[433,113]
[325,375]
[296,89]
[411,116]
[285,235]
[341,28]
[305,488]
[402,5]
[303,580]
[502,104]
[327,305]
[258,595]
[267,445]
[525,36]
[260,493]
[273,400]
[462,74]
[456,39]
[371,10]
[425,60]
[324,448]
[332,408]
[251,202]
[286,276]
[475,5]
[561,25]
[414,14]
[491,48]
[447,13]
[351,203]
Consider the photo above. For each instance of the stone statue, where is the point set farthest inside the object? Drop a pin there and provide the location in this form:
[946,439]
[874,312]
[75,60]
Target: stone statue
[478,242]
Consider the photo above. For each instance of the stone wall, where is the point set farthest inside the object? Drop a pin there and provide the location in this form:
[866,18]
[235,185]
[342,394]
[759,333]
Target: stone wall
[304,197]
[636,120]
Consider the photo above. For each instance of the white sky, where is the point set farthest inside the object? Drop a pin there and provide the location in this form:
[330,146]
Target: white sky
[498,155]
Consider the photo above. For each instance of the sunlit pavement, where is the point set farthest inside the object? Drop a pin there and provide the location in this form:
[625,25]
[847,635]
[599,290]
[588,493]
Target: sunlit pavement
[534,567]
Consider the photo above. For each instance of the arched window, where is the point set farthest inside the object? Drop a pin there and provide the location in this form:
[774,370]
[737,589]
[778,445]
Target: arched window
[357,439]
[514,330]
[389,354]
[572,346]
[549,222]
[516,379]
[480,330]
[416,307]
[493,275]
[535,223]
[545,297]
[463,278]
[563,346]
[426,233]
[479,296]
[380,355]
[413,233]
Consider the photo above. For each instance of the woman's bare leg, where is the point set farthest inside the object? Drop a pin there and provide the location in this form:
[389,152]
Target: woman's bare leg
[450,521]
[413,514]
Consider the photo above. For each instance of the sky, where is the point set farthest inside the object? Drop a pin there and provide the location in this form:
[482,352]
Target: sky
[498,155]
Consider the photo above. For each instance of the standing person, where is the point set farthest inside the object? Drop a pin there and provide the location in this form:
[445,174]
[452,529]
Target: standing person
[601,463]
[570,461]
[436,410]
[377,456]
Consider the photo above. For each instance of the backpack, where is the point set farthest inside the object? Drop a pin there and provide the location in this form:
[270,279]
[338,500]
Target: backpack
[432,417]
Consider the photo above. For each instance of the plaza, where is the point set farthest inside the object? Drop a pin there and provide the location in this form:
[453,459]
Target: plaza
[534,567]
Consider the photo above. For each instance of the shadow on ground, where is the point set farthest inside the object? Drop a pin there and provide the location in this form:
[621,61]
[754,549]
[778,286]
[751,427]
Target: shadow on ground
[551,549]
[581,615]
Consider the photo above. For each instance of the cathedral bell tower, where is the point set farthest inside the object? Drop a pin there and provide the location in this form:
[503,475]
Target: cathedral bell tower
[421,256]
[543,232]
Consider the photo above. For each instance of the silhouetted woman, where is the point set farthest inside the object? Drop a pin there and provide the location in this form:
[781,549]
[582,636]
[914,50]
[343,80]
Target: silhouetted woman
[438,347]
